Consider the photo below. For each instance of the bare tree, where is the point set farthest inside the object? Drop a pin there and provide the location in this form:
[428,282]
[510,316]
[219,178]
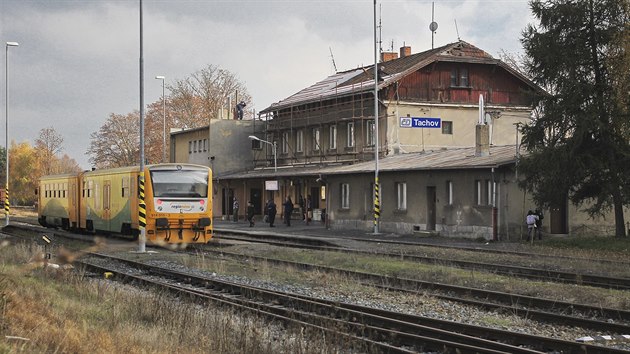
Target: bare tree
[48,145]
[198,98]
[192,103]
[66,164]
[116,144]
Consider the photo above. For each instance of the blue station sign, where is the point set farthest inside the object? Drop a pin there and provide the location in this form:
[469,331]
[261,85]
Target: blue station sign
[420,122]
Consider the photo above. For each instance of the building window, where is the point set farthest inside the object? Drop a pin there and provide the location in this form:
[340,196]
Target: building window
[345,196]
[332,138]
[370,141]
[449,192]
[459,77]
[316,139]
[463,77]
[300,141]
[401,195]
[350,135]
[478,192]
[447,127]
[490,190]
[285,143]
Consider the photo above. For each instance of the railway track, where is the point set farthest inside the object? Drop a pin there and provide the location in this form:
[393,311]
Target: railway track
[524,306]
[599,281]
[379,330]
[544,310]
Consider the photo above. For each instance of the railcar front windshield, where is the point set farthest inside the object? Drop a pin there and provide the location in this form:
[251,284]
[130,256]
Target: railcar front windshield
[179,183]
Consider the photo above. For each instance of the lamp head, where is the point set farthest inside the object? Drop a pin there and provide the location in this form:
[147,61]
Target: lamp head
[12,44]
[160,77]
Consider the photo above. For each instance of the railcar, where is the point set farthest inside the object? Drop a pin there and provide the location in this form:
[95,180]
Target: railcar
[178,202]
[58,204]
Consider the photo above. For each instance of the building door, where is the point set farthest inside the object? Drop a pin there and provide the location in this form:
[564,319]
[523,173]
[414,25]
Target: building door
[431,212]
[227,198]
[255,196]
[558,220]
[315,197]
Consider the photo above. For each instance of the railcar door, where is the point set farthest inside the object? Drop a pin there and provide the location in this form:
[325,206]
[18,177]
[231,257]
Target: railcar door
[107,204]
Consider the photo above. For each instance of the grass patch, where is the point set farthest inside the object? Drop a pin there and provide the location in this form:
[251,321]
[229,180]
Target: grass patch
[591,243]
[51,311]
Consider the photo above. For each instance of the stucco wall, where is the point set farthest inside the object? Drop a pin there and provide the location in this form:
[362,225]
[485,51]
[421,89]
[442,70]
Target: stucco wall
[227,141]
[463,218]
[464,119]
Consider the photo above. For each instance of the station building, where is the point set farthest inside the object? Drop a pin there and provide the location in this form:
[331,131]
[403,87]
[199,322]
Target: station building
[447,146]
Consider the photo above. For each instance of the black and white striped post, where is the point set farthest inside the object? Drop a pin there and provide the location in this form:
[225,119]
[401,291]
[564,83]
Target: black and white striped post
[377,206]
[142,238]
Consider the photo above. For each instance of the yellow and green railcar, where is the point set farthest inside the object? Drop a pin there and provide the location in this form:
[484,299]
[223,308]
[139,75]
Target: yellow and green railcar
[178,202]
[58,202]
[109,200]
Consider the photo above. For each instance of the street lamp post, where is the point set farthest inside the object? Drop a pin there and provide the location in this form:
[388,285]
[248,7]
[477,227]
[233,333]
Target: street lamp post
[6,190]
[163,119]
[274,148]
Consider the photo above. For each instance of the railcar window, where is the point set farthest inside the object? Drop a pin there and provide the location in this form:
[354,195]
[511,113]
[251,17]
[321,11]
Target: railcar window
[182,183]
[125,187]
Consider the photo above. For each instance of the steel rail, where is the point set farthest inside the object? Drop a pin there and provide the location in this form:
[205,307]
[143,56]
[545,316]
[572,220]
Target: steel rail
[385,334]
[408,326]
[525,306]
[516,271]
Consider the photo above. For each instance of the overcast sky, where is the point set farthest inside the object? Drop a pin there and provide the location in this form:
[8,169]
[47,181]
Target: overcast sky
[78,60]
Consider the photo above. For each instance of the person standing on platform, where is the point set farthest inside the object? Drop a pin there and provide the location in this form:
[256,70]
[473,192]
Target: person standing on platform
[235,209]
[250,213]
[540,216]
[288,209]
[309,210]
[302,210]
[531,219]
[271,212]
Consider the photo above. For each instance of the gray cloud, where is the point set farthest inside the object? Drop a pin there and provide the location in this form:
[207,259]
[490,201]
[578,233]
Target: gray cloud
[78,61]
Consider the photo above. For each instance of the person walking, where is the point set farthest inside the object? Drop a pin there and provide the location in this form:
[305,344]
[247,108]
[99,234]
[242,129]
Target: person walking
[235,209]
[540,217]
[288,209]
[271,212]
[531,220]
[250,213]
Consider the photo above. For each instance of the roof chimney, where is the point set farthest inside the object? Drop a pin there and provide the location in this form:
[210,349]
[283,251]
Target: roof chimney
[482,140]
[405,51]
[387,56]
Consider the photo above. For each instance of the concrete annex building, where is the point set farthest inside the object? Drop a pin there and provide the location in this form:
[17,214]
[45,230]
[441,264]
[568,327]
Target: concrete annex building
[451,172]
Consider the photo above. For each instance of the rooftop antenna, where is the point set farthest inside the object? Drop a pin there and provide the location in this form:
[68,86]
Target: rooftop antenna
[333,59]
[434,26]
[457,30]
